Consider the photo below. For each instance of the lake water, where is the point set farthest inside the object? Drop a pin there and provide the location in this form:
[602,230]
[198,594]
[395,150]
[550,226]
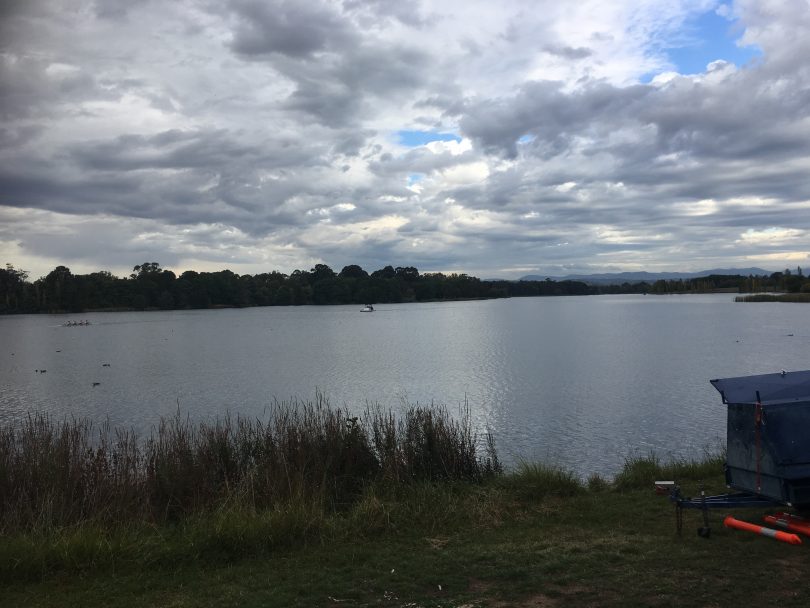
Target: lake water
[582,382]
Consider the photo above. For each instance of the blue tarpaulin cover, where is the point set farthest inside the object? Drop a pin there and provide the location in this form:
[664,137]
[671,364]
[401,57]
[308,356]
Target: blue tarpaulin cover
[784,387]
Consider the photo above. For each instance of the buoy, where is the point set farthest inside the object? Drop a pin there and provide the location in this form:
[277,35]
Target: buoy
[785,537]
[791,516]
[786,522]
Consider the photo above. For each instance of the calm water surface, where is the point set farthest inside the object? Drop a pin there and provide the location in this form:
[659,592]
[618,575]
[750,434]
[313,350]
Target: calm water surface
[579,381]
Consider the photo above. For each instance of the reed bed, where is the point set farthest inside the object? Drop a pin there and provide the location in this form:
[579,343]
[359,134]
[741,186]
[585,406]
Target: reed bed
[55,474]
[768,297]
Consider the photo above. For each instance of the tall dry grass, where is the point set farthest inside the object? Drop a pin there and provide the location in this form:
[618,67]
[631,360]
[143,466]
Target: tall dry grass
[63,473]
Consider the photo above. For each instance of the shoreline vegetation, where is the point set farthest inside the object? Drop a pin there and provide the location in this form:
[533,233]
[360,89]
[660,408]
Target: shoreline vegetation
[317,507]
[770,297]
[68,473]
[149,287]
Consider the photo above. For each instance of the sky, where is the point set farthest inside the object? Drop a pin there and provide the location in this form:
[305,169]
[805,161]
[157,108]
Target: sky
[498,139]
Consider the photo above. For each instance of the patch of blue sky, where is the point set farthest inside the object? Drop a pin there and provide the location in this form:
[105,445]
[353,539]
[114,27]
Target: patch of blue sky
[415,178]
[705,38]
[412,139]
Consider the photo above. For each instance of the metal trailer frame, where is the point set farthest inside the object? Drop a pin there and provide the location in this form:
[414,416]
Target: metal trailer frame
[734,500]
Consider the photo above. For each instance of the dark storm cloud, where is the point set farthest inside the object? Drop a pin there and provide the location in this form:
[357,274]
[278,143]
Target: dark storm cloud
[287,27]
[26,88]
[712,128]
[177,176]
[451,105]
[116,9]
[567,52]
[351,143]
[173,149]
[16,136]
[332,103]
[544,110]
[65,194]
[15,16]
[337,66]
[338,91]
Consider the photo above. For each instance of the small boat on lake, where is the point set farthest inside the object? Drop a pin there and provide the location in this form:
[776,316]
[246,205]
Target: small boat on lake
[367,308]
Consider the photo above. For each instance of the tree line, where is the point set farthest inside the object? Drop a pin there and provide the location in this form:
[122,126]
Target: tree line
[783,282]
[151,287]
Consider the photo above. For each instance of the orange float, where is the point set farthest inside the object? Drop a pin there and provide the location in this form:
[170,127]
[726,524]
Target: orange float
[786,522]
[785,537]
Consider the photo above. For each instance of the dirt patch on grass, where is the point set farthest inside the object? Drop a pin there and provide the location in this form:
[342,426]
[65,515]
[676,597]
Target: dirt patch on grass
[437,543]
[478,587]
[539,600]
[558,596]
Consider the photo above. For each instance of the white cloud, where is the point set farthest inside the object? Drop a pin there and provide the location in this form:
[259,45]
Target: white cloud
[780,258]
[697,208]
[454,148]
[771,236]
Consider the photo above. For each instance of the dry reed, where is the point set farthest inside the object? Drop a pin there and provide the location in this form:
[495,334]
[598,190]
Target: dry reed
[56,474]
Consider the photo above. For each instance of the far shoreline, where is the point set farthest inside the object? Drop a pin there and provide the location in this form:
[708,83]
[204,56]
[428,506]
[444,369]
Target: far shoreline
[432,301]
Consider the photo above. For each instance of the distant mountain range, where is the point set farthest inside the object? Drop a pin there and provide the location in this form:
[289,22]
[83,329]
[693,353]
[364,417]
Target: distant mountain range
[617,278]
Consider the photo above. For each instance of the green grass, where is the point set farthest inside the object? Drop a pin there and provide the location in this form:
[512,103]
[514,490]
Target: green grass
[317,508]
[642,471]
[535,481]
[537,536]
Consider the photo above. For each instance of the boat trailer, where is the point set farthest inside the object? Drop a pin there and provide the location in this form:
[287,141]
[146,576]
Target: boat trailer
[733,500]
[767,453]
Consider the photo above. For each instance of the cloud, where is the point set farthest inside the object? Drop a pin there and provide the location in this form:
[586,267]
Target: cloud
[289,28]
[265,135]
[775,235]
[567,52]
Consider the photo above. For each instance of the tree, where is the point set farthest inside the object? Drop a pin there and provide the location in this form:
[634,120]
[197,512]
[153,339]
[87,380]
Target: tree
[59,290]
[408,273]
[321,272]
[20,276]
[150,281]
[144,270]
[384,273]
[353,272]
[12,288]
[97,289]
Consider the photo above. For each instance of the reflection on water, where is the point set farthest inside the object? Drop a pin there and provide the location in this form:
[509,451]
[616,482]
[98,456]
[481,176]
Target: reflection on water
[583,382]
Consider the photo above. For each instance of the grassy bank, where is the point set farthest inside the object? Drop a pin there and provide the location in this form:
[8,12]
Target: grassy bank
[534,536]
